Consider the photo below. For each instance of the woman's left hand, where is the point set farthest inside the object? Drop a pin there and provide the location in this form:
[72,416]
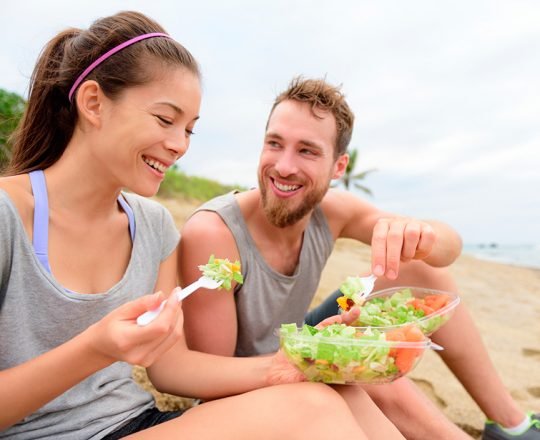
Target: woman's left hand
[282,371]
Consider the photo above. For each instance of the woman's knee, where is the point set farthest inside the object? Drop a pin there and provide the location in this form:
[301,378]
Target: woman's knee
[313,398]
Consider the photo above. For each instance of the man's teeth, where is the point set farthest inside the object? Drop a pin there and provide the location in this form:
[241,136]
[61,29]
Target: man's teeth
[156,165]
[286,187]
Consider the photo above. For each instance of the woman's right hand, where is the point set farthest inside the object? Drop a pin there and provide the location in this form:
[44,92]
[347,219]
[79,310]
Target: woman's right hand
[118,337]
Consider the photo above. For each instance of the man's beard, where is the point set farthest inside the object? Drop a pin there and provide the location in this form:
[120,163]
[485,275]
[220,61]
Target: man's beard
[278,212]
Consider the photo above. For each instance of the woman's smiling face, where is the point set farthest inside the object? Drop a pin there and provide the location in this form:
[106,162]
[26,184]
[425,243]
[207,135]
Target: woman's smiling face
[147,128]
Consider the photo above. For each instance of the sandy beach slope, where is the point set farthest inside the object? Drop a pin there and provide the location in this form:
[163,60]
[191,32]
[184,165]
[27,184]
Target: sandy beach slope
[504,301]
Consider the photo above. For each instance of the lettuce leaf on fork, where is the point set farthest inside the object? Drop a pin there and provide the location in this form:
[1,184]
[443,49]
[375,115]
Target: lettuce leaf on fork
[221,269]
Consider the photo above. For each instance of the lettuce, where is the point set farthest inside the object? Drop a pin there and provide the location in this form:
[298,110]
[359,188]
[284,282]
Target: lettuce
[221,269]
[340,354]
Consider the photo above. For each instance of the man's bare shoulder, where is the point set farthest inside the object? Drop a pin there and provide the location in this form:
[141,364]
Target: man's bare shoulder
[340,204]
[205,233]
[208,224]
[348,215]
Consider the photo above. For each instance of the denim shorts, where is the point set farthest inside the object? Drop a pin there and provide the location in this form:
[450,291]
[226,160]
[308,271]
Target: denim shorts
[329,307]
[150,417]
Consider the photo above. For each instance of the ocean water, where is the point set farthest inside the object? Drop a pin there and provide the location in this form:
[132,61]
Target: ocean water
[526,255]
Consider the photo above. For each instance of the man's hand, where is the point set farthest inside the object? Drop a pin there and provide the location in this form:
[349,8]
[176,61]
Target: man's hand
[396,240]
[346,318]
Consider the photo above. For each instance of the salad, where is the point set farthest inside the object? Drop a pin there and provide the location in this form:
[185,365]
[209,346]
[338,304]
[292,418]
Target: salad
[352,290]
[221,269]
[341,354]
[429,309]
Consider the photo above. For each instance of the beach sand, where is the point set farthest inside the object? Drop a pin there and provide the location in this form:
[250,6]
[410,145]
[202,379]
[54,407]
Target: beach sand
[504,301]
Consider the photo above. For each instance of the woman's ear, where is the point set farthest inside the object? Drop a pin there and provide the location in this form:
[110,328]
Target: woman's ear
[89,99]
[340,166]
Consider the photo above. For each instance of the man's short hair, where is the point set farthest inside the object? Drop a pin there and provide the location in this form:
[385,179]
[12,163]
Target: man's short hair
[321,95]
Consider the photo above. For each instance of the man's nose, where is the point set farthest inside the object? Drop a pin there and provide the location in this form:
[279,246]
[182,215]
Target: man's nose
[286,164]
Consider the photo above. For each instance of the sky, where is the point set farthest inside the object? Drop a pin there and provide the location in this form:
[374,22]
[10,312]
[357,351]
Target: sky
[446,93]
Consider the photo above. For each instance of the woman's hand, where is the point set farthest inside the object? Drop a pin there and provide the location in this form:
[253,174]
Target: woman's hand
[118,337]
[282,371]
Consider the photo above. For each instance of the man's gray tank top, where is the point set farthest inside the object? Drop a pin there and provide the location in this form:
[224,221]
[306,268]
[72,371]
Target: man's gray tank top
[268,298]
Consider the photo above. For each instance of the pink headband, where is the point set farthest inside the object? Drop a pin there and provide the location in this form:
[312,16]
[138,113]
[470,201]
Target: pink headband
[106,55]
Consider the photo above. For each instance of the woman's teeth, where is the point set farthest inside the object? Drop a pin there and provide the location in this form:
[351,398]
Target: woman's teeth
[286,188]
[156,165]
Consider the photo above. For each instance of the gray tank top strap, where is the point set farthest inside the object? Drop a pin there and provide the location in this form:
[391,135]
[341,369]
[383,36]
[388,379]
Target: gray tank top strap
[229,211]
[268,298]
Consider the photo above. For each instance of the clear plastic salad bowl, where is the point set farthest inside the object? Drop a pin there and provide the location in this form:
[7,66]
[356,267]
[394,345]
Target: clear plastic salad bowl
[340,354]
[398,306]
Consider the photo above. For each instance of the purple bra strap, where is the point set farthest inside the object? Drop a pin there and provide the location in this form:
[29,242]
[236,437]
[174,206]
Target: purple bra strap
[40,236]
[131,217]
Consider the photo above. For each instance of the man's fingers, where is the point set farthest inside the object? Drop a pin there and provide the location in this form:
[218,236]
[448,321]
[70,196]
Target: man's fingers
[336,319]
[378,247]
[411,240]
[350,316]
[427,240]
[346,318]
[394,245]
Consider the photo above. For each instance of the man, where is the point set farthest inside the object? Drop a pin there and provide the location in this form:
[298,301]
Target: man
[283,233]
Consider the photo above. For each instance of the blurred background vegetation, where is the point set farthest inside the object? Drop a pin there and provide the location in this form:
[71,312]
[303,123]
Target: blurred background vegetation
[176,182]
[192,187]
[11,110]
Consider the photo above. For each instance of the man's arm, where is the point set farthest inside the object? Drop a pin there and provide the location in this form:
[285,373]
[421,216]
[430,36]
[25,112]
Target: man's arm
[209,315]
[189,373]
[393,238]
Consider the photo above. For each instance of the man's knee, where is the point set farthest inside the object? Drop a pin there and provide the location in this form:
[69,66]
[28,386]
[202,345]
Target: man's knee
[387,396]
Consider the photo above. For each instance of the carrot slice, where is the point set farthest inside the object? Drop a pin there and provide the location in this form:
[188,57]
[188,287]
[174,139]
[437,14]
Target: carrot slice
[395,335]
[413,333]
[405,358]
[418,304]
[436,302]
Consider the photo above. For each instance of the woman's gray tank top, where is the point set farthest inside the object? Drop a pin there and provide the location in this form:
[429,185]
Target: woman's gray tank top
[268,298]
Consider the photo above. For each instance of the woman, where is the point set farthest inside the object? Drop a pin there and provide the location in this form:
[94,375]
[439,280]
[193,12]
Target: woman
[113,107]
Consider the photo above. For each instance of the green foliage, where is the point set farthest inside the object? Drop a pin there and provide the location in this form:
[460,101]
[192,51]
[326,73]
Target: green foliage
[176,182]
[349,178]
[11,110]
[192,187]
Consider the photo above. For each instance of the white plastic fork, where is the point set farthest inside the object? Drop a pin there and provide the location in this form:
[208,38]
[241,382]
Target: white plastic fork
[368,283]
[434,346]
[203,282]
